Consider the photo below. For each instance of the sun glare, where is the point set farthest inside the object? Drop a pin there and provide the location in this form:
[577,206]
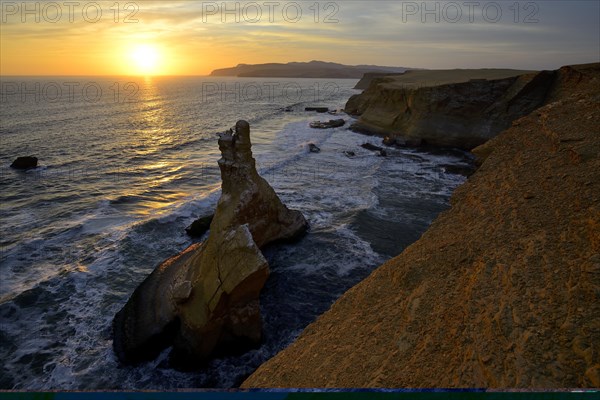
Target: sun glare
[146,59]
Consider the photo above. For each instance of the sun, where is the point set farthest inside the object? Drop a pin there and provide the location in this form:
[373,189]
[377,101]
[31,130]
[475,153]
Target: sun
[145,59]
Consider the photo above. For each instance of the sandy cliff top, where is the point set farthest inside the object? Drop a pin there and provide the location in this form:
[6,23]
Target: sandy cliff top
[422,78]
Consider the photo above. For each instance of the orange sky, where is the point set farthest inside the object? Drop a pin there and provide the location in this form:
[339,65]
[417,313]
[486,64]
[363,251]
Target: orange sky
[193,38]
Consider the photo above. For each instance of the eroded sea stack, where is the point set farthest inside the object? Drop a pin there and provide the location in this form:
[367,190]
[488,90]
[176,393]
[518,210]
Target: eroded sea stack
[206,299]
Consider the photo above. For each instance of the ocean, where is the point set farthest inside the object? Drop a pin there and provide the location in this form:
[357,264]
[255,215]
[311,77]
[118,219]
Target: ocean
[125,164]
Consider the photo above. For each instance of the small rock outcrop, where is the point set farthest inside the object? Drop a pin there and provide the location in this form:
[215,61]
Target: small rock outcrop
[199,226]
[332,123]
[25,162]
[402,142]
[313,148]
[372,147]
[206,299]
[317,109]
[381,151]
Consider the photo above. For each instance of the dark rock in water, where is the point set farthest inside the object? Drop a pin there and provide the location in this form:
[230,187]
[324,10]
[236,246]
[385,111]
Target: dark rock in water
[409,142]
[349,154]
[25,162]
[381,151]
[317,109]
[358,128]
[389,141]
[287,109]
[332,123]
[371,147]
[199,226]
[206,299]
[464,170]
[402,141]
[313,148]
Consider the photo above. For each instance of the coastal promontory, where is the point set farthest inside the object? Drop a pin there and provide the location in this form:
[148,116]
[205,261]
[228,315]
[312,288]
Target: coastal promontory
[502,291]
[312,69]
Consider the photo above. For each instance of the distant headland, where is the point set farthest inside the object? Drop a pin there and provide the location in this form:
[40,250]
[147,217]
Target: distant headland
[312,69]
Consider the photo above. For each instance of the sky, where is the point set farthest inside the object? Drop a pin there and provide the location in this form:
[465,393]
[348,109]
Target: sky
[195,37]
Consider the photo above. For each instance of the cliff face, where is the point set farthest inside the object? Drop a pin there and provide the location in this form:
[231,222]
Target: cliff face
[501,291]
[463,114]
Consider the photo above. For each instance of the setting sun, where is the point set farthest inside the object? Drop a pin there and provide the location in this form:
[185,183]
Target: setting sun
[146,59]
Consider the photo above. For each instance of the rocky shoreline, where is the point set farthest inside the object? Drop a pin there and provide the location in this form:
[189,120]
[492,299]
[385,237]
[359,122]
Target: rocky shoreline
[502,290]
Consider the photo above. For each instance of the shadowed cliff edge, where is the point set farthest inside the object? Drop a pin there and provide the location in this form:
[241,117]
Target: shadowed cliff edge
[502,290]
[206,299]
[453,108]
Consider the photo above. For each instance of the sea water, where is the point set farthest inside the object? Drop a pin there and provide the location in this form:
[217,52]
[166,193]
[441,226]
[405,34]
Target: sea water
[126,164]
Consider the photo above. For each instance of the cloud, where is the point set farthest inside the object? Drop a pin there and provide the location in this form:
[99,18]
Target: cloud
[377,32]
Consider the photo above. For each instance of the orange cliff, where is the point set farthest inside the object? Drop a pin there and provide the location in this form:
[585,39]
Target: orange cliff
[501,291]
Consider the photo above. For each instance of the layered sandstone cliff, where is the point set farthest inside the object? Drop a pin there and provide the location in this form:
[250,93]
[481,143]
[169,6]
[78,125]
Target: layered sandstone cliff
[503,290]
[455,108]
